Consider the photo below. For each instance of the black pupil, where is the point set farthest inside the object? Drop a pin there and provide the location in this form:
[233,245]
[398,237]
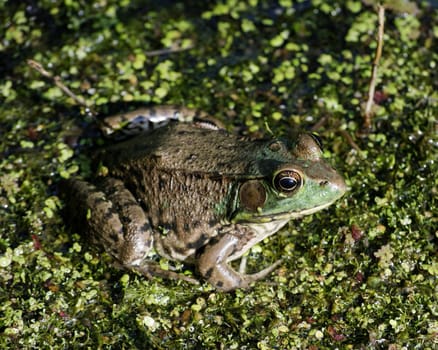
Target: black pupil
[288,183]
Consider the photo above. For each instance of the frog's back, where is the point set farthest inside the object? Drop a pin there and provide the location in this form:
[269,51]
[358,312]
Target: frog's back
[186,148]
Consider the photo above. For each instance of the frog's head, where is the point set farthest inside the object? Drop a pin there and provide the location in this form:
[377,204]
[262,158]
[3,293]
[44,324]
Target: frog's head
[297,182]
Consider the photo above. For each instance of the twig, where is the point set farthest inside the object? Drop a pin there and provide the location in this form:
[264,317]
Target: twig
[58,82]
[350,140]
[167,51]
[372,87]
[320,123]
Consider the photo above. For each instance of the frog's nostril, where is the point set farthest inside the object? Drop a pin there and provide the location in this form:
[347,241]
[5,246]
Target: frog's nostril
[323,183]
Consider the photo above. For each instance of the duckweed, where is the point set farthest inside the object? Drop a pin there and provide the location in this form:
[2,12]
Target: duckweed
[362,274]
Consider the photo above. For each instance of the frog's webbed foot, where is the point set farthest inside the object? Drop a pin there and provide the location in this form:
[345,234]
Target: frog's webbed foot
[213,265]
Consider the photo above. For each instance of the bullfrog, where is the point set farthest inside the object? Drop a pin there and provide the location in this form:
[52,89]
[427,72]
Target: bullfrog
[194,193]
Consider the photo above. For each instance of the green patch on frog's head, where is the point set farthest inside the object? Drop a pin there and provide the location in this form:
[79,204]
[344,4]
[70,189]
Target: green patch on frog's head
[301,186]
[293,191]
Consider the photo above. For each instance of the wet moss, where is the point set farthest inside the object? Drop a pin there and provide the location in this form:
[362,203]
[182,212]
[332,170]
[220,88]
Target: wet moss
[361,274]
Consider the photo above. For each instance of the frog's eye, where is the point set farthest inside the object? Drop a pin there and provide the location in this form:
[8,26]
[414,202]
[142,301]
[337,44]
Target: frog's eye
[287,181]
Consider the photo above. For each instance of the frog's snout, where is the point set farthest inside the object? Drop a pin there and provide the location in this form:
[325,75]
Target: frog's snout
[339,186]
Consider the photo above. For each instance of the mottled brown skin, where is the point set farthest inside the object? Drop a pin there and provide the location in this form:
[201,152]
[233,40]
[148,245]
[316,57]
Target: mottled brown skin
[178,191]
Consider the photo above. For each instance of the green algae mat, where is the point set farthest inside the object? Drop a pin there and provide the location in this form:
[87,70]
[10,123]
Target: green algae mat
[361,274]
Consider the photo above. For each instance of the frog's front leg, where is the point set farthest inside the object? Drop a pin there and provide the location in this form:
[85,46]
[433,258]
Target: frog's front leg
[114,220]
[214,264]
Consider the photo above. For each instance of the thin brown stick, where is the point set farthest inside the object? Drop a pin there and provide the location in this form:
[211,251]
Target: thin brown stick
[350,140]
[372,87]
[320,123]
[167,51]
[58,82]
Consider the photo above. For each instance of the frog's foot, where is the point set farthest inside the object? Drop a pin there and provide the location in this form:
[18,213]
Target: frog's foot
[151,269]
[123,125]
[213,265]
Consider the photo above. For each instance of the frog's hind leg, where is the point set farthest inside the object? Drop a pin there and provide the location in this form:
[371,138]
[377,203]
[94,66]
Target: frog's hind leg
[111,216]
[142,120]
[114,220]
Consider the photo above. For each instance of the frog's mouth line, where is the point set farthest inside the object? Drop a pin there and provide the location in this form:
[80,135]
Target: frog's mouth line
[294,215]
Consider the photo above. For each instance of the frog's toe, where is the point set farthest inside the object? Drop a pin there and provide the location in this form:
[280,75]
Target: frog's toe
[224,278]
[263,273]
